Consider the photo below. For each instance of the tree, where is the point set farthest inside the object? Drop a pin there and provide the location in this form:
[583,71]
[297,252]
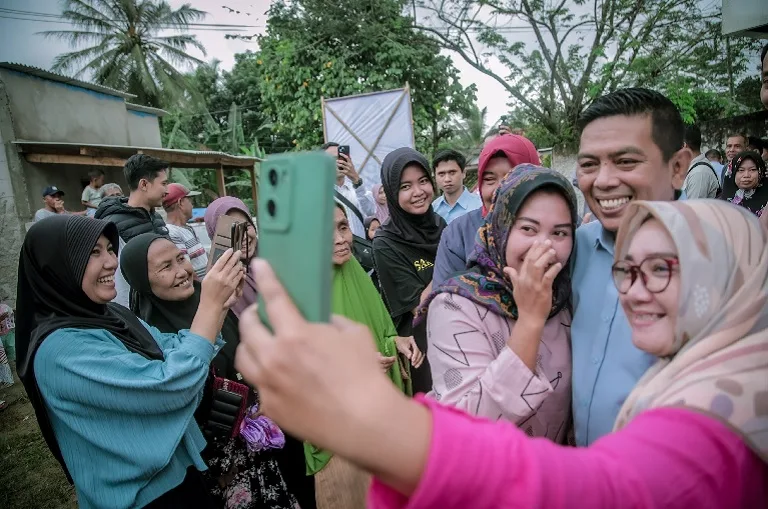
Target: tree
[125,49]
[470,130]
[317,48]
[586,49]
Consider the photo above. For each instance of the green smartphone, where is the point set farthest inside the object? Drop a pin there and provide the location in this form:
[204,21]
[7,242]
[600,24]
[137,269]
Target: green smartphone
[296,228]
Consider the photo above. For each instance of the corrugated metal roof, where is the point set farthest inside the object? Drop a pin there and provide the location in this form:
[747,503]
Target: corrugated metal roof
[48,75]
[125,151]
[145,109]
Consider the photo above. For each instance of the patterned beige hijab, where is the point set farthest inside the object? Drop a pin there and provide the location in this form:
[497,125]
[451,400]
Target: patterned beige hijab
[720,361]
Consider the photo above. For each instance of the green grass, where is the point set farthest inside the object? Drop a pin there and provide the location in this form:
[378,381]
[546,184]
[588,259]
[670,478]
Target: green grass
[29,476]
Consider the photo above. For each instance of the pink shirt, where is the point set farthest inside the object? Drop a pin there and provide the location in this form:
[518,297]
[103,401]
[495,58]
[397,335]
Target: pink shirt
[666,458]
[473,368]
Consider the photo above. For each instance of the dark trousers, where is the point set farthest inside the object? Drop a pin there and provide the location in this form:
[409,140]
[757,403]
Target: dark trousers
[192,493]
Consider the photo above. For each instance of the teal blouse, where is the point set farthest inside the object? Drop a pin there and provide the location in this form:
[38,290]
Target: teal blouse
[124,423]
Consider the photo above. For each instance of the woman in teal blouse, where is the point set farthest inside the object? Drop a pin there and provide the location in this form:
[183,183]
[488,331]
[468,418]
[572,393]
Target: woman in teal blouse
[114,397]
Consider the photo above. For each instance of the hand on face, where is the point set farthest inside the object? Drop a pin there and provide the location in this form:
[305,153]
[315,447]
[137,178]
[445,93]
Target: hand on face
[58,204]
[532,284]
[222,281]
[314,379]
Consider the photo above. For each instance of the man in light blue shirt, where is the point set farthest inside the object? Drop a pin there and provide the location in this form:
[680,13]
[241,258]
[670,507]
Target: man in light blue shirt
[631,148]
[456,200]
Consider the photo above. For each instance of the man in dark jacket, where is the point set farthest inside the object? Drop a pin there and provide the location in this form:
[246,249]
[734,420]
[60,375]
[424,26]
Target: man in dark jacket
[147,179]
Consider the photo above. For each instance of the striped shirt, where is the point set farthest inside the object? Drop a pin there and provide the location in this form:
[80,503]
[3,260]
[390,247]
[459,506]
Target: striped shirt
[186,240]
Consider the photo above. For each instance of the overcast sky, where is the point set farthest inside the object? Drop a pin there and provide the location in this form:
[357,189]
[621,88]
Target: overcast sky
[19,41]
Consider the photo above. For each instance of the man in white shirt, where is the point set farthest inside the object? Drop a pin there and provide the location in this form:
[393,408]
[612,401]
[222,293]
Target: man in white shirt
[358,203]
[178,210]
[702,180]
[456,200]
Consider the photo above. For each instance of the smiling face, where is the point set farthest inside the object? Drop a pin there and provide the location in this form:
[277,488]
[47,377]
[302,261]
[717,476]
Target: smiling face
[496,169]
[747,176]
[170,272]
[544,215]
[653,316]
[416,191]
[619,162]
[155,189]
[342,238]
[99,278]
[449,177]
[250,232]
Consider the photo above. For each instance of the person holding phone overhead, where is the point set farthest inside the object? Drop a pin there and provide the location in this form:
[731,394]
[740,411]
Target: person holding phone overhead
[243,469]
[404,247]
[357,202]
[114,397]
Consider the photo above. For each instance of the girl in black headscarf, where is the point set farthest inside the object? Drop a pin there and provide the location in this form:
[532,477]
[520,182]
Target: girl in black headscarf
[243,471]
[114,397]
[405,246]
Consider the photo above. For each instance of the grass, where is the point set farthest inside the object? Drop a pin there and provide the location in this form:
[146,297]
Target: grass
[29,475]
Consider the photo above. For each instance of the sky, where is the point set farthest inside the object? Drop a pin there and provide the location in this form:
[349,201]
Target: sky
[20,42]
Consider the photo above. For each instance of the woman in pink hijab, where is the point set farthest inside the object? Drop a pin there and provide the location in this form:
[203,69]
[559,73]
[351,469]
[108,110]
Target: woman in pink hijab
[380,199]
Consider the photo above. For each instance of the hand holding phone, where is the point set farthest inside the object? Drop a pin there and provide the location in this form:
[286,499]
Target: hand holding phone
[219,287]
[296,229]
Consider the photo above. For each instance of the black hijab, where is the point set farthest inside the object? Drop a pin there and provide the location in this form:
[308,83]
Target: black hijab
[420,231]
[756,200]
[52,264]
[172,316]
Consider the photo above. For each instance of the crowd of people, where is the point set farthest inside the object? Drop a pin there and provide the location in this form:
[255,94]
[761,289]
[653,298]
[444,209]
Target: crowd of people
[496,350]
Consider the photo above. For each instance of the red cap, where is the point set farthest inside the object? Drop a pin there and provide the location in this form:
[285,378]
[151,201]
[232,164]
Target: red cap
[175,193]
[518,149]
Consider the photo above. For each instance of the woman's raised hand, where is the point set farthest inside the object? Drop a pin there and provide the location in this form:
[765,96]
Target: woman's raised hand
[532,284]
[223,282]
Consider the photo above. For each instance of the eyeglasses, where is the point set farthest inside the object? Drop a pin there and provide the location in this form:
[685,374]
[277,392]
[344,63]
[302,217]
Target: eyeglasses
[655,273]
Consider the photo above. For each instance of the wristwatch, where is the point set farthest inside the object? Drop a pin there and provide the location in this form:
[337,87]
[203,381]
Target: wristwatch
[358,183]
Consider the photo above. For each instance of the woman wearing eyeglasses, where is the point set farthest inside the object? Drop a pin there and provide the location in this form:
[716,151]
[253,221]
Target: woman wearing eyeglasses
[693,281]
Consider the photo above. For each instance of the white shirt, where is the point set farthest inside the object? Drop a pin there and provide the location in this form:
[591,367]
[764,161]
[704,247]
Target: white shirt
[361,199]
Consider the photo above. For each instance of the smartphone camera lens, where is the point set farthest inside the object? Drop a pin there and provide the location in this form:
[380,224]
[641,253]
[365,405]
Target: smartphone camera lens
[273,177]
[271,207]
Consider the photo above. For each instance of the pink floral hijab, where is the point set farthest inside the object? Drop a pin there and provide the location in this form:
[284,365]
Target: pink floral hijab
[720,360]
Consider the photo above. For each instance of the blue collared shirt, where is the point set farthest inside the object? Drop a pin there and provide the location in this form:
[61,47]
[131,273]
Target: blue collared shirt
[457,243]
[606,364]
[466,202]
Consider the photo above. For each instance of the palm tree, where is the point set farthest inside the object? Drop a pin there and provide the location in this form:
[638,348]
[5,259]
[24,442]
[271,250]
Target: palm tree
[125,49]
[470,131]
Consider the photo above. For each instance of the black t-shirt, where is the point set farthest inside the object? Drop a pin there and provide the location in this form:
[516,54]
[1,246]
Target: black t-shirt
[404,271]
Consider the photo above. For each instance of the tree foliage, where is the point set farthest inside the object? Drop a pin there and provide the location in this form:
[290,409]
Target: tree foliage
[319,48]
[124,49]
[587,48]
